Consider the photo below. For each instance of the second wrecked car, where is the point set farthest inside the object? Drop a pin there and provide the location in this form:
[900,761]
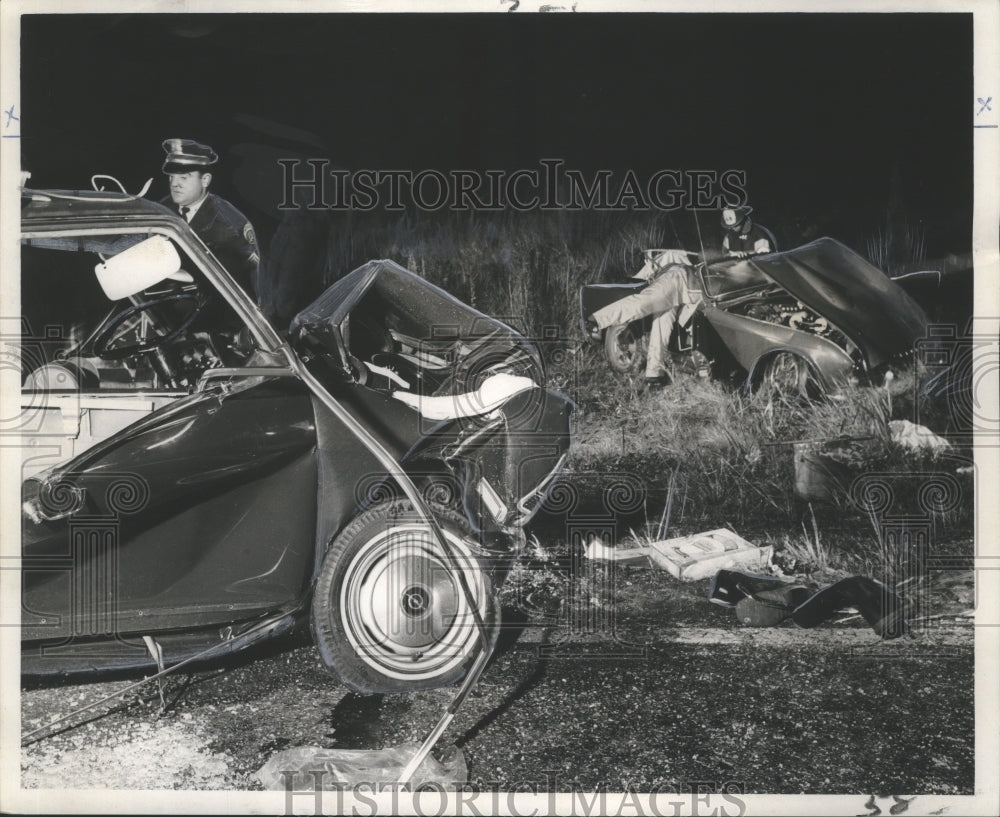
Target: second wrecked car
[806,321]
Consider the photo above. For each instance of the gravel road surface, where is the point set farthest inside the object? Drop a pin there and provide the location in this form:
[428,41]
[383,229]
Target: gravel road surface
[667,691]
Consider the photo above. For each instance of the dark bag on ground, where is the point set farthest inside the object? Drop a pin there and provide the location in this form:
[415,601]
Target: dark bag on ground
[880,606]
[764,601]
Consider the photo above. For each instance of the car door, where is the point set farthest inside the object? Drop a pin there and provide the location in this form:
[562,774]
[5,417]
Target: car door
[169,477]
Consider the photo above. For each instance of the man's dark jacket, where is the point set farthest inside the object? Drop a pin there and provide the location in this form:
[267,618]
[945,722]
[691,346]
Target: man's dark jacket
[746,237]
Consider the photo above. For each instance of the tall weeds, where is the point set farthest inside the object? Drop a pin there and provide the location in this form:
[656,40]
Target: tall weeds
[897,247]
[734,453]
[899,244]
[524,267]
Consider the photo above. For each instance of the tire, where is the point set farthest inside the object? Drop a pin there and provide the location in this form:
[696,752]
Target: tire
[787,375]
[623,347]
[388,612]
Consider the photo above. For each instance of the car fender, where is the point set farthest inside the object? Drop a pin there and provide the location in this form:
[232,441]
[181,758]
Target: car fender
[498,467]
[752,341]
[512,462]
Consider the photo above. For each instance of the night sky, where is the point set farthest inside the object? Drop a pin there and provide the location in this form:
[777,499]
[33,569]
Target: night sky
[821,111]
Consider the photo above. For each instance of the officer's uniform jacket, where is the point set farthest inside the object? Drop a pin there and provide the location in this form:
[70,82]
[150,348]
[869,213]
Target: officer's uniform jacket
[230,236]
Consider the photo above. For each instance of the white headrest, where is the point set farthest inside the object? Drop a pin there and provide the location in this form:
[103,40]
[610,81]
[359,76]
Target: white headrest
[493,393]
[139,267]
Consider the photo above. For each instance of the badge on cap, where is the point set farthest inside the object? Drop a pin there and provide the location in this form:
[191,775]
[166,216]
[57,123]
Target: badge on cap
[185,155]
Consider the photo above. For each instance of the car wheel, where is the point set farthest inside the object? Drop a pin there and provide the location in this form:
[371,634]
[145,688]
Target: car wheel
[388,611]
[787,375]
[624,349]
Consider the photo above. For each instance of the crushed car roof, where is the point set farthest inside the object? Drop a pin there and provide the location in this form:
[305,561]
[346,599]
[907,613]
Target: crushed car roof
[407,303]
[58,205]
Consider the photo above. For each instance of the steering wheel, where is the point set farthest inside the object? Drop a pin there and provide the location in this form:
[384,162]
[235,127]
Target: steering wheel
[102,344]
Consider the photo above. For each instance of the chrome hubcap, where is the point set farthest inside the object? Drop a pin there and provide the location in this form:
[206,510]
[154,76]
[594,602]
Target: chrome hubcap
[402,605]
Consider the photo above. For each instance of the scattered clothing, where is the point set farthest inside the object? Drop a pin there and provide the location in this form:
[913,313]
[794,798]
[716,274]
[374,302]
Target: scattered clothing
[878,604]
[729,587]
[764,601]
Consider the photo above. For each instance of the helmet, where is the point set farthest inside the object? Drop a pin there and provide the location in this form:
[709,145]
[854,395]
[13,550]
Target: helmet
[733,217]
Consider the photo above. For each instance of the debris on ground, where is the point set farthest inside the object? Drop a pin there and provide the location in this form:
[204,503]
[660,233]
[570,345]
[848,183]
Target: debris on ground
[600,552]
[689,558]
[765,601]
[759,600]
[371,768]
[699,555]
[916,437]
[877,603]
[819,473]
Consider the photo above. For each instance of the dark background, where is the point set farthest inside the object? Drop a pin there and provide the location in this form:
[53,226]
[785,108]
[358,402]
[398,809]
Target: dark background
[845,124]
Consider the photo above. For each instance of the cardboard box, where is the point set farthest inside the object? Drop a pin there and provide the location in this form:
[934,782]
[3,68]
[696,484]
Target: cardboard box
[700,555]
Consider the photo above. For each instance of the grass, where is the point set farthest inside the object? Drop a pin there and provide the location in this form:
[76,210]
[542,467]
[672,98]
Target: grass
[526,268]
[710,457]
[731,458]
[897,247]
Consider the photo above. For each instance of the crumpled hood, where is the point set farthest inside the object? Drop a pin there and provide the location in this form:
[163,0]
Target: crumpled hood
[861,300]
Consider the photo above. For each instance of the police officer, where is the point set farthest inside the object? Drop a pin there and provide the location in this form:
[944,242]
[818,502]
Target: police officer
[743,237]
[224,229]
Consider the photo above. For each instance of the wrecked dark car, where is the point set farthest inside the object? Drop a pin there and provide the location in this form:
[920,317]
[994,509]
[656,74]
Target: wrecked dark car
[804,322]
[195,481]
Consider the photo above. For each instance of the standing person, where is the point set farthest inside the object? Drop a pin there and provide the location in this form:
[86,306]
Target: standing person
[224,229]
[743,236]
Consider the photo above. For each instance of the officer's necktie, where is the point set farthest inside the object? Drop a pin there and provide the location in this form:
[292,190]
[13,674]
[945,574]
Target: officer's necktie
[184,212]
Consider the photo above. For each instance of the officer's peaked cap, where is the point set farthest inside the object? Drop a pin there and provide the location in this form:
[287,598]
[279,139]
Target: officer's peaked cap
[185,155]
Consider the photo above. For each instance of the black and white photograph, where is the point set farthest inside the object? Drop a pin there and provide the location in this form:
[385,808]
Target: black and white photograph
[500,407]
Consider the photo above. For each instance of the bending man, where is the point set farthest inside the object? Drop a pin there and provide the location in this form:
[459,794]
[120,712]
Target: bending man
[666,296]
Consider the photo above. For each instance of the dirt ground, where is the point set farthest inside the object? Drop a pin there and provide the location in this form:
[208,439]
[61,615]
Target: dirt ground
[662,690]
